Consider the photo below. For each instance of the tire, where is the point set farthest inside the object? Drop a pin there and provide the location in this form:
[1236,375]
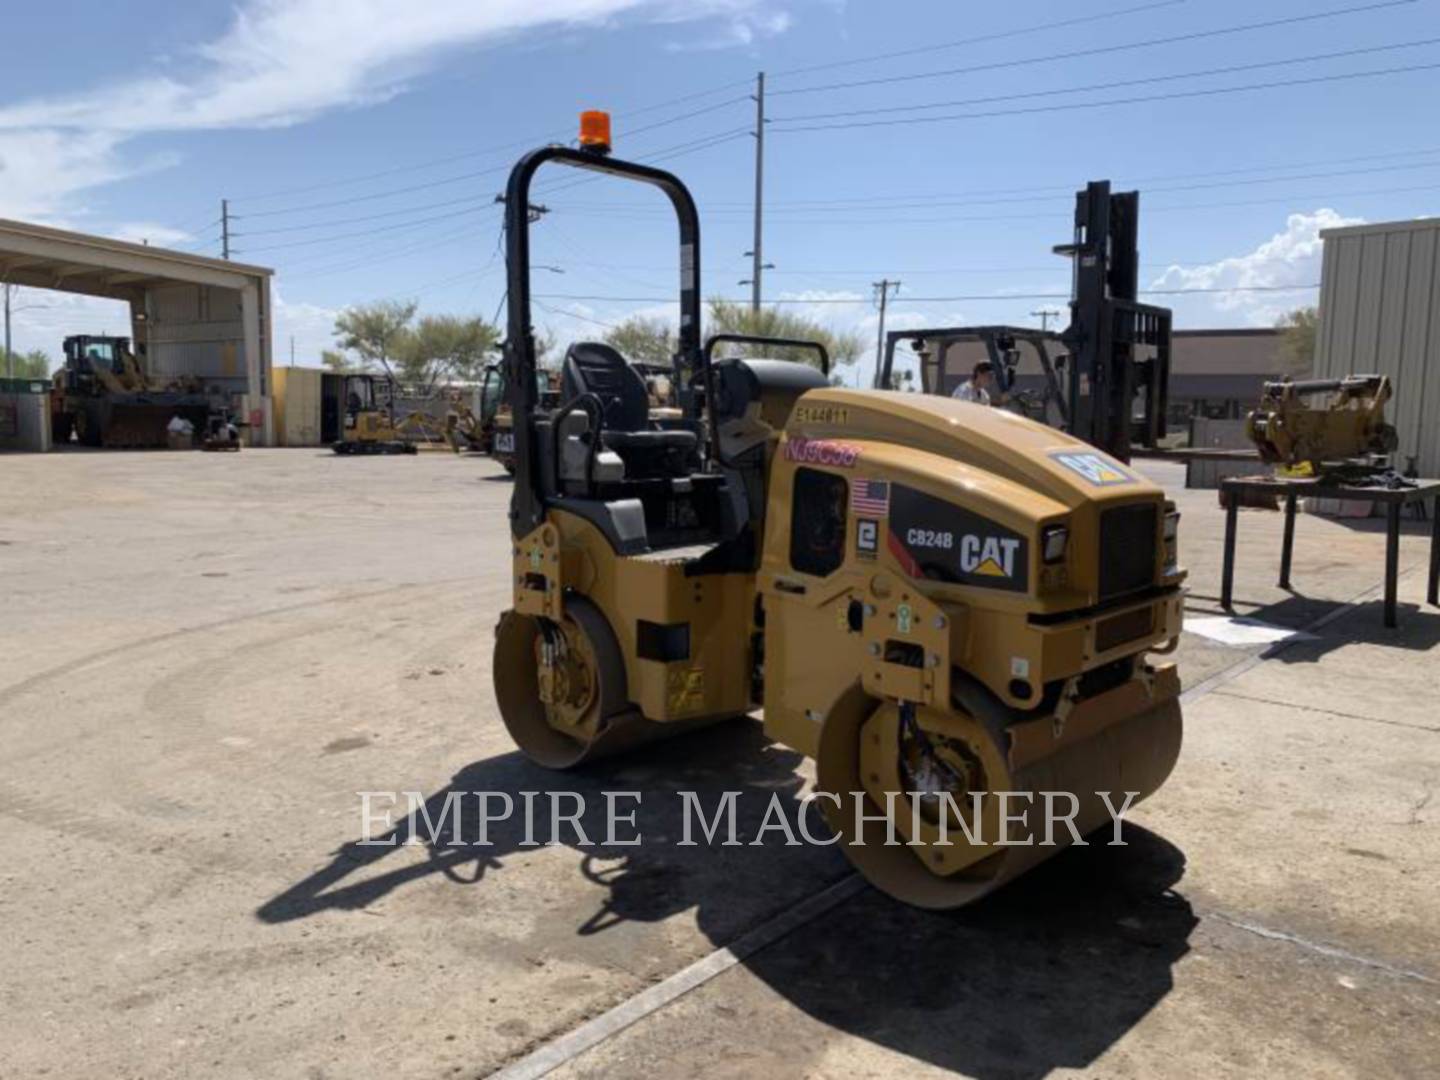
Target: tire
[88,430]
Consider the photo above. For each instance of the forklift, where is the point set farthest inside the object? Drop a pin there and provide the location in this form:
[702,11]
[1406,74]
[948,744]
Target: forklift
[1107,375]
[943,604]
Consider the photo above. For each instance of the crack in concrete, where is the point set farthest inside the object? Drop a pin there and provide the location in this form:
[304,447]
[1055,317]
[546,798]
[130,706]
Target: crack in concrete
[1320,948]
[1423,802]
[1325,712]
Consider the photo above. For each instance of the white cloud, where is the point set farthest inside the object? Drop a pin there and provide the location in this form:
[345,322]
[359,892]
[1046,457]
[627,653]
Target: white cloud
[741,30]
[282,62]
[1290,257]
[41,169]
[310,326]
[43,319]
[149,232]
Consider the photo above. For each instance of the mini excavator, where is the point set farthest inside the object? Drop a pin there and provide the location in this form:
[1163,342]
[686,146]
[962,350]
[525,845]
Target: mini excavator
[935,600]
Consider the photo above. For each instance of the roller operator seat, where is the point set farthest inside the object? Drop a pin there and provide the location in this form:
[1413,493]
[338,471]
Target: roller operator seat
[595,368]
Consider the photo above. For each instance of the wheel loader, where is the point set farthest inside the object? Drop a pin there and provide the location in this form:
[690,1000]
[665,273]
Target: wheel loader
[950,608]
[105,397]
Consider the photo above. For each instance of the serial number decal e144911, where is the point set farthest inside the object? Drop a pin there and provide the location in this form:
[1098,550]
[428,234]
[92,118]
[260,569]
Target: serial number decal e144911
[822,414]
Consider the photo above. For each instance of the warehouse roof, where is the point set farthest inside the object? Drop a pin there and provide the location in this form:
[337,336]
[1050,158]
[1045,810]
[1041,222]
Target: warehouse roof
[1376,229]
[50,258]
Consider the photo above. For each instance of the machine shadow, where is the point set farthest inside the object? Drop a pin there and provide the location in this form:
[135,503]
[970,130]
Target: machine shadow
[1045,974]
[644,883]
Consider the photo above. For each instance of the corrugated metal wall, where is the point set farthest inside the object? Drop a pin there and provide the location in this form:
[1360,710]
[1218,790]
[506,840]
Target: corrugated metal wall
[1380,312]
[197,330]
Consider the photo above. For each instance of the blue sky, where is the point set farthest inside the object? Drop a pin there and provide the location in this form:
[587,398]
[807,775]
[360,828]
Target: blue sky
[361,141]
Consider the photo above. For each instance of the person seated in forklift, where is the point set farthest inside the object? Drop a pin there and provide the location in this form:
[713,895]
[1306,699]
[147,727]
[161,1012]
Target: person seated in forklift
[956,611]
[980,386]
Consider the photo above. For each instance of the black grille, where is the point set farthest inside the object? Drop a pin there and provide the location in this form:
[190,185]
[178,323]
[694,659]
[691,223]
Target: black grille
[1127,548]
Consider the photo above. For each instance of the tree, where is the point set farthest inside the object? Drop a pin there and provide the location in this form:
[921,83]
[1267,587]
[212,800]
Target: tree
[544,344]
[445,347]
[647,340]
[34,364]
[372,331]
[1297,341]
[728,317]
[336,361]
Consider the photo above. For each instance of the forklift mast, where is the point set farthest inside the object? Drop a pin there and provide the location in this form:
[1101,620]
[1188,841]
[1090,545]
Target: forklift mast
[1119,348]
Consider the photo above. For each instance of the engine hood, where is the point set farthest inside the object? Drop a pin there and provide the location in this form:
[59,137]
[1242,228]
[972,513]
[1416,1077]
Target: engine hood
[996,441]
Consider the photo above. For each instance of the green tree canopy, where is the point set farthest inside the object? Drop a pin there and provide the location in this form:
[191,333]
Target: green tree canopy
[34,364]
[1297,341]
[336,361]
[645,339]
[728,317]
[444,347]
[373,331]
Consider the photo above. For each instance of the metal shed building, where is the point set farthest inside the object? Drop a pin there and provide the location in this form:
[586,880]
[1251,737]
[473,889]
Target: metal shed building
[189,314]
[1380,312]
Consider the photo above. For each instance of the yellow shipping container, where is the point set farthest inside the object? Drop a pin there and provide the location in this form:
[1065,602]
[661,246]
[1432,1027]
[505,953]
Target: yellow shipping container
[297,406]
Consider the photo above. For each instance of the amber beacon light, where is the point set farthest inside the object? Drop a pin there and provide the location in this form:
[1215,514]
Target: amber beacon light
[595,131]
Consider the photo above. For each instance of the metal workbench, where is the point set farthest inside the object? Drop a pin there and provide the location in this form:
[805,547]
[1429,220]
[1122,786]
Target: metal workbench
[1393,499]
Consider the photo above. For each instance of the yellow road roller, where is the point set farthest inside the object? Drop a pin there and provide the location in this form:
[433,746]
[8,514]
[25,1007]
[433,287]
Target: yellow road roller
[956,611]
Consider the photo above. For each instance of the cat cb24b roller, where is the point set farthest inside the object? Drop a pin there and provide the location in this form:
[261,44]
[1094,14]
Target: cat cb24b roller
[927,596]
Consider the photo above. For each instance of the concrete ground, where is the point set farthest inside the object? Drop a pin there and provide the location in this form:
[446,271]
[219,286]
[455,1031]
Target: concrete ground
[203,658]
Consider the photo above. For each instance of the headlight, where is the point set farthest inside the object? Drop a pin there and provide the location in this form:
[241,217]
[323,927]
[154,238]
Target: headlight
[1053,539]
[1172,542]
[1172,526]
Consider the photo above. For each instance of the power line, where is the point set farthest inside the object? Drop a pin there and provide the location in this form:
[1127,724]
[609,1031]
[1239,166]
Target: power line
[1173,77]
[1101,50]
[679,149]
[929,199]
[935,299]
[1142,99]
[957,200]
[502,147]
[1058,212]
[370,232]
[982,39]
[572,314]
[390,252]
[376,195]
[333,222]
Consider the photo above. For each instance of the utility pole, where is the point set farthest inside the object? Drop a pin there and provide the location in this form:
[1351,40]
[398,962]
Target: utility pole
[1045,315]
[883,288]
[225,228]
[757,255]
[9,356]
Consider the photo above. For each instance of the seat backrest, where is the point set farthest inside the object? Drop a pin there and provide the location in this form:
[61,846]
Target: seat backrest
[596,368]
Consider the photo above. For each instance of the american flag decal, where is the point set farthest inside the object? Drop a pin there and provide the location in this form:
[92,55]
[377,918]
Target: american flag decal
[870,497]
